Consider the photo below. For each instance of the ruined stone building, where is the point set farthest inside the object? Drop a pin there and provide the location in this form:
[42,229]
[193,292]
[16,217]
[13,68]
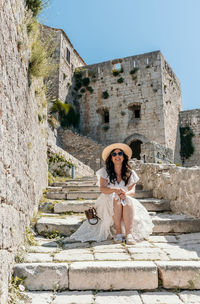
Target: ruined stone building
[135,100]
[68,60]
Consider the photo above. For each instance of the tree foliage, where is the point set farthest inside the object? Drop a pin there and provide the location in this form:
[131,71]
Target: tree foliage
[36,6]
[187,148]
[67,115]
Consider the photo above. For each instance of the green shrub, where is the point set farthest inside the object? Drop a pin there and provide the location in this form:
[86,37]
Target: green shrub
[50,178]
[82,90]
[90,89]
[106,127]
[86,81]
[67,115]
[120,80]
[134,70]
[187,148]
[39,118]
[36,6]
[117,72]
[105,95]
[78,73]
[78,84]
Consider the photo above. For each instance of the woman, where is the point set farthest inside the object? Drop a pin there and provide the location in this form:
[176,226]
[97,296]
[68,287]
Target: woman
[116,206]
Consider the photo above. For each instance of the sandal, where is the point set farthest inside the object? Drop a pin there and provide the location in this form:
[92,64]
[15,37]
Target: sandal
[118,239]
[130,240]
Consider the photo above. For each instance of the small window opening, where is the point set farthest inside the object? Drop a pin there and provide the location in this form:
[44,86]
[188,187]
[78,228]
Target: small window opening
[106,116]
[136,111]
[147,60]
[64,76]
[68,55]
[118,66]
[134,63]
[72,67]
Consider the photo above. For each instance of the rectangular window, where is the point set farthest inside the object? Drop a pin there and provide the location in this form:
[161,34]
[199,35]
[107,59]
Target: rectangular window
[135,111]
[106,116]
[68,55]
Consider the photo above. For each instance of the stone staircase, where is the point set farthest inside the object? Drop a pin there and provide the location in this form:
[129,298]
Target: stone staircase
[65,271]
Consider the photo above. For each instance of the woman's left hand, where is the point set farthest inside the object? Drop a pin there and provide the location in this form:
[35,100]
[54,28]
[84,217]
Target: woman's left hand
[122,196]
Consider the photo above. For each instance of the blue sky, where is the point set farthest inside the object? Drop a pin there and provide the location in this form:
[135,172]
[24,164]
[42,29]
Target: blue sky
[101,30]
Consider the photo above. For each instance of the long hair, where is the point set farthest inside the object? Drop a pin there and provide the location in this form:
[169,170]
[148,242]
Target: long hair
[125,172]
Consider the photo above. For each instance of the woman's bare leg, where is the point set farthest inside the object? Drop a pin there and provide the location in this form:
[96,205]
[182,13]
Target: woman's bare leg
[128,218]
[117,216]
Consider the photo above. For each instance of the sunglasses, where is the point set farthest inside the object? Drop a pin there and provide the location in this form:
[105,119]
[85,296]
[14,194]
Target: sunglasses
[120,153]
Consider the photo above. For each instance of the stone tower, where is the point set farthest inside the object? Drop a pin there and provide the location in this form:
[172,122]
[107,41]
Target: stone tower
[135,100]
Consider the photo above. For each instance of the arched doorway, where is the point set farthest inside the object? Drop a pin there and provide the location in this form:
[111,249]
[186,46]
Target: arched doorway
[136,148]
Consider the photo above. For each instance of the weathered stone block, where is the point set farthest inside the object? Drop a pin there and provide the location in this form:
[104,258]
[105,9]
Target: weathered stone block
[112,275]
[180,274]
[43,276]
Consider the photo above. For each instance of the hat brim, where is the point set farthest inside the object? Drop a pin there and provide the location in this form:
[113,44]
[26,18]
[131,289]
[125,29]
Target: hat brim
[125,148]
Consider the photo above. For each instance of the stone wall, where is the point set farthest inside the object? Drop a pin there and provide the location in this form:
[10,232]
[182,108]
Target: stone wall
[172,105]
[191,118]
[84,149]
[23,166]
[152,152]
[53,80]
[180,185]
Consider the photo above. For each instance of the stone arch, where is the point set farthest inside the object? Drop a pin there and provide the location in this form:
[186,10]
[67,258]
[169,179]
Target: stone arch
[135,141]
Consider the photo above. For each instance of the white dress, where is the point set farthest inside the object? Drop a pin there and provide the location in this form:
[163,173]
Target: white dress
[142,224]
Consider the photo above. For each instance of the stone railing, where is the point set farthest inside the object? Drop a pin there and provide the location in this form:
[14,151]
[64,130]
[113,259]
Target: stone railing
[180,185]
[80,168]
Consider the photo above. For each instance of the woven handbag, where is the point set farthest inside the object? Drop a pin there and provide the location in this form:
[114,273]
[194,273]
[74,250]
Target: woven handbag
[91,215]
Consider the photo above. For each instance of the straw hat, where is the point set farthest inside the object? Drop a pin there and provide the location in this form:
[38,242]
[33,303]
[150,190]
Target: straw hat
[125,148]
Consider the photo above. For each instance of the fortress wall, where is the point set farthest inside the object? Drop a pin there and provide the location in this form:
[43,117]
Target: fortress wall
[172,105]
[142,88]
[23,166]
[192,118]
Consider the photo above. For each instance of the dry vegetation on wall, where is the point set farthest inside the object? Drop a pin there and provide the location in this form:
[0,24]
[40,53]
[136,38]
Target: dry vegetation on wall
[41,63]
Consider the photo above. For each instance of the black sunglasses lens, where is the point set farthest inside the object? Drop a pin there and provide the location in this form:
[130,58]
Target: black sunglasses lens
[120,153]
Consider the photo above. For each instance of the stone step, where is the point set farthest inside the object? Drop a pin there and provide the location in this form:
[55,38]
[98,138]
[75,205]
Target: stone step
[163,224]
[80,188]
[74,183]
[73,195]
[93,275]
[110,275]
[175,223]
[114,297]
[150,204]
